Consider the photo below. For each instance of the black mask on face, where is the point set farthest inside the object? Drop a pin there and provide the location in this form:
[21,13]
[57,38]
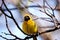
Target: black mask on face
[26,18]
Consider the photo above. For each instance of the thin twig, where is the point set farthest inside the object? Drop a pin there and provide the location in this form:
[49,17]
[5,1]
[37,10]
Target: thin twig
[9,29]
[50,8]
[4,12]
[51,30]
[52,15]
[13,18]
[7,8]
[3,37]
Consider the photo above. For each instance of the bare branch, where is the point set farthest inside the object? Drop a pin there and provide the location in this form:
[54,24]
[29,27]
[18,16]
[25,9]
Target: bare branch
[3,37]
[9,29]
[13,18]
[38,6]
[51,30]
[5,33]
[52,15]
[50,8]
[7,8]
[4,12]
[6,38]
[47,31]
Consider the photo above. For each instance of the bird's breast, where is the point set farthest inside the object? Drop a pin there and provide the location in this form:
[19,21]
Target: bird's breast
[29,27]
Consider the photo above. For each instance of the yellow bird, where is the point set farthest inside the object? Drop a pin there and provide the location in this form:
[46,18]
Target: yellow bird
[29,26]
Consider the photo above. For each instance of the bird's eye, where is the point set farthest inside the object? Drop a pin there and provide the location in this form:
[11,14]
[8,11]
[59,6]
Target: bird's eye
[26,18]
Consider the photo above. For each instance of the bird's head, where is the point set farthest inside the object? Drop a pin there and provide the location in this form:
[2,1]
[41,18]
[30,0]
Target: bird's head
[26,18]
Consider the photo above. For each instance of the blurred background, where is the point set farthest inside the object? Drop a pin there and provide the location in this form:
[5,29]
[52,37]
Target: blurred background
[33,10]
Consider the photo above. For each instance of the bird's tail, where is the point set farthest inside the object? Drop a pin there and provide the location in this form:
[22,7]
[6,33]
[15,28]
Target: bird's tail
[34,38]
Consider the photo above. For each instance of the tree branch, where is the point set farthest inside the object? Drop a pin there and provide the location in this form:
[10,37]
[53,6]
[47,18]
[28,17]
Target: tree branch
[13,18]
[4,12]
[9,29]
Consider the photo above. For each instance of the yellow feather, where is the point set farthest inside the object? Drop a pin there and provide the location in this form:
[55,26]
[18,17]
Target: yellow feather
[29,26]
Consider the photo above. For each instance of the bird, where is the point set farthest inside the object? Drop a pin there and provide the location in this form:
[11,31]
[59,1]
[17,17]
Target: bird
[29,26]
